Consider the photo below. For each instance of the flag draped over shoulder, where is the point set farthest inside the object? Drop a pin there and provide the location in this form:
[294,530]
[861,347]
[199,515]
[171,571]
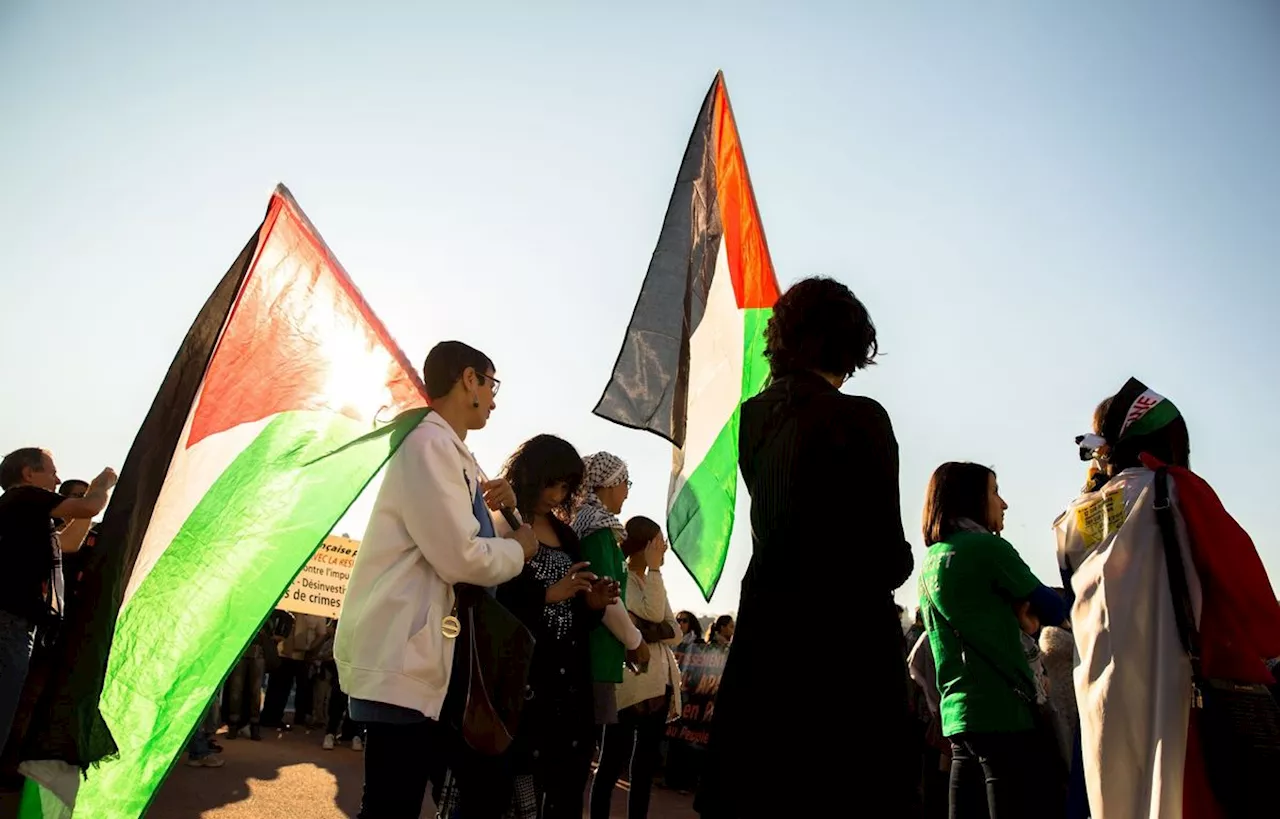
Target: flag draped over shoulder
[285,399]
[694,350]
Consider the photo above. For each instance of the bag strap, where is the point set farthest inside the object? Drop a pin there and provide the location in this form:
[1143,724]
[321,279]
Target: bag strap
[1183,612]
[1018,688]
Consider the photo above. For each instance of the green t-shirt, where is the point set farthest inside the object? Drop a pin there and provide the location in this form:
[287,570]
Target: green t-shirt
[607,653]
[975,579]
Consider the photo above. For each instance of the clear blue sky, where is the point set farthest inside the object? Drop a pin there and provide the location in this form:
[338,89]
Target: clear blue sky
[1035,200]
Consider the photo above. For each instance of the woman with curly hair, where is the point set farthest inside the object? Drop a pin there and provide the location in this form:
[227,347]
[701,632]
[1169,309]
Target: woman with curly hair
[822,471]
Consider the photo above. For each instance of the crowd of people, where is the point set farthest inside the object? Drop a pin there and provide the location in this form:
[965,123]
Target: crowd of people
[497,634]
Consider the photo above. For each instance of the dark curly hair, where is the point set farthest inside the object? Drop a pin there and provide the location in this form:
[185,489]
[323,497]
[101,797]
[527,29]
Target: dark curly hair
[819,325]
[538,463]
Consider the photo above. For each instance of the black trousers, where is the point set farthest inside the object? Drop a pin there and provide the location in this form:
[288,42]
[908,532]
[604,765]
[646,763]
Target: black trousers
[632,742]
[338,716]
[999,776]
[279,683]
[401,761]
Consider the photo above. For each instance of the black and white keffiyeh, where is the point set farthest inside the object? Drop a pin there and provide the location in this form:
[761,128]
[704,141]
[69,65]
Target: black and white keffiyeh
[600,471]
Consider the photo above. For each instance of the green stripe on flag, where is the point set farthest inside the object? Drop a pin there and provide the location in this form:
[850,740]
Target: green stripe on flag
[209,592]
[755,367]
[700,521]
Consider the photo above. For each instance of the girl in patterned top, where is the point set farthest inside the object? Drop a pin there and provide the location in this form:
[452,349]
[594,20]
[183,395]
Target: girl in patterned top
[560,601]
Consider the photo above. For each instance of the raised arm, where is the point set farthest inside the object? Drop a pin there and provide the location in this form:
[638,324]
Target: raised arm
[93,502]
[648,599]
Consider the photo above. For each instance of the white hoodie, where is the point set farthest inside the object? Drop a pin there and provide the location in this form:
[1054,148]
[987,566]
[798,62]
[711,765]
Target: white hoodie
[422,538]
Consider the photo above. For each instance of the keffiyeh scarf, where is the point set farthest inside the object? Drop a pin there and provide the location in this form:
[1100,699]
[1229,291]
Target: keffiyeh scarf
[600,471]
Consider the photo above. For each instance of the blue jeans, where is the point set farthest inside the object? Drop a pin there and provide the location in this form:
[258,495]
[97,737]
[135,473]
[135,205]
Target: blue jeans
[17,638]
[198,747]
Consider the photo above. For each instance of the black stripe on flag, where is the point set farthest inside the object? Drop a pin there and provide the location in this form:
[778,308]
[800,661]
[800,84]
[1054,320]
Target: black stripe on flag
[67,725]
[649,388]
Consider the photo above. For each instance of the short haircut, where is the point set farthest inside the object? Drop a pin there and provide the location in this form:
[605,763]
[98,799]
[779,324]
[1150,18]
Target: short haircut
[70,485]
[819,325]
[956,491]
[30,457]
[446,363]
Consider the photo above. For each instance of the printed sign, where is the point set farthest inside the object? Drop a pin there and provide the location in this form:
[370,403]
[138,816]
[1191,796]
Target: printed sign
[1101,518]
[701,666]
[321,586]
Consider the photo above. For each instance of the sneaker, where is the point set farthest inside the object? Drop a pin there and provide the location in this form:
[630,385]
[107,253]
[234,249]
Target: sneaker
[357,744]
[328,742]
[210,761]
[245,732]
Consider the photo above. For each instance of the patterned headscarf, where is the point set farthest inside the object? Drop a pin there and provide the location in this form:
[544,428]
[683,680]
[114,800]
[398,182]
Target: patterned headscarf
[600,471]
[1135,411]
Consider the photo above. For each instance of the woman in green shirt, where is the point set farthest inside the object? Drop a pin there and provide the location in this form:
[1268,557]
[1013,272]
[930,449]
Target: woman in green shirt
[978,596]
[605,486]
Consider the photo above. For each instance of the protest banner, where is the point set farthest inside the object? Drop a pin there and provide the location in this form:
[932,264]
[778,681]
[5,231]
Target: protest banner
[321,586]
[701,665]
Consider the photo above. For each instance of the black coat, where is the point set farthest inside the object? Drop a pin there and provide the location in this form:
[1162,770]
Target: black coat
[561,711]
[812,706]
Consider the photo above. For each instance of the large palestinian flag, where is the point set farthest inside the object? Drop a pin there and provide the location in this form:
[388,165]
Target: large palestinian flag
[286,397]
[695,347]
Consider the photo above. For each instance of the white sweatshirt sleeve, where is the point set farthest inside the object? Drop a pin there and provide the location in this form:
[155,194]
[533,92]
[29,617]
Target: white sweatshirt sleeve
[437,509]
[619,624]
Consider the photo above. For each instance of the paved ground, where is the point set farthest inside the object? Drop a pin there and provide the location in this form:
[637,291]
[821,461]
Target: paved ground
[288,776]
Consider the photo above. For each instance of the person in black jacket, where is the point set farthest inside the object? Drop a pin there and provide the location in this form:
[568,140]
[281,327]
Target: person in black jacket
[544,773]
[827,540]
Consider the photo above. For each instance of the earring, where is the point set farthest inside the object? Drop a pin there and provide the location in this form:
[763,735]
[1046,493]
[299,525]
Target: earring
[475,401]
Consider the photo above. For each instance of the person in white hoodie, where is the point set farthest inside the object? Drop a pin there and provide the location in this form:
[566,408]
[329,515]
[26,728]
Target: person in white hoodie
[429,530]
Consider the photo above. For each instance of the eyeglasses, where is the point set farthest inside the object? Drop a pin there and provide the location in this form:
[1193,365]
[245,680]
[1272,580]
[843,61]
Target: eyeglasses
[496,383]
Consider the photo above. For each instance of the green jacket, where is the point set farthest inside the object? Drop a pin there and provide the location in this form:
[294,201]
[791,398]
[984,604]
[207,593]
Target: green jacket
[607,653]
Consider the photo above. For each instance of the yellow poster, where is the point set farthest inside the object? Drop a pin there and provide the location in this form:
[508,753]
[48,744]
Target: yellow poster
[1101,518]
[321,586]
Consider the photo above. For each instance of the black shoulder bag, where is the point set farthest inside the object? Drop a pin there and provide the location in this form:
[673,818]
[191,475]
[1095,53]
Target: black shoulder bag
[489,682]
[1239,722]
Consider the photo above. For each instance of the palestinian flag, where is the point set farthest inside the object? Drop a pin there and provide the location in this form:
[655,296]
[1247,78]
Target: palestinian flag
[694,350]
[286,397]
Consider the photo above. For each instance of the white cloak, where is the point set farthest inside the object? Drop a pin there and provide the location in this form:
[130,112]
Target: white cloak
[1132,677]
